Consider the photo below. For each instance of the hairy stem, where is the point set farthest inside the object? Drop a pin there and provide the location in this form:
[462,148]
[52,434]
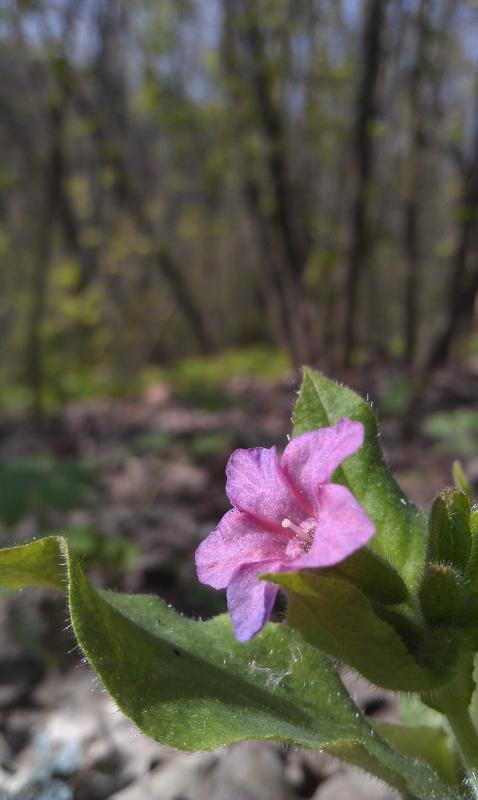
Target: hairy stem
[467,740]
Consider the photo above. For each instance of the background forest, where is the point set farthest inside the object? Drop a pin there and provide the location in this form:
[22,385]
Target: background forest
[184,176]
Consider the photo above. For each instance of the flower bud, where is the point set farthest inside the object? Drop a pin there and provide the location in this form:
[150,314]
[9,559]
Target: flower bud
[449,532]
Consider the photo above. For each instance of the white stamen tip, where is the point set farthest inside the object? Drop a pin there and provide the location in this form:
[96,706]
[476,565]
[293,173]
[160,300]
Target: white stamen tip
[287,523]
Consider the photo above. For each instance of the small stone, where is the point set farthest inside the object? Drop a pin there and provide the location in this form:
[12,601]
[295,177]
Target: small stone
[353,784]
[181,776]
[42,790]
[249,772]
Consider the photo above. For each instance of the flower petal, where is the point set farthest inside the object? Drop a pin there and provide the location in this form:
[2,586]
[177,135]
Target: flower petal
[256,484]
[343,527]
[311,458]
[237,540]
[250,601]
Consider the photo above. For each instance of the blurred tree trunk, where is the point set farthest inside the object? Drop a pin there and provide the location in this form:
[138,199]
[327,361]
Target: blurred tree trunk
[51,183]
[277,287]
[463,286]
[273,128]
[164,260]
[287,272]
[412,206]
[87,258]
[111,128]
[283,255]
[363,148]
[463,282]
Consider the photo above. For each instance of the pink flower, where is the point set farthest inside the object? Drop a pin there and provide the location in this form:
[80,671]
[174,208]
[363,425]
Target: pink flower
[287,516]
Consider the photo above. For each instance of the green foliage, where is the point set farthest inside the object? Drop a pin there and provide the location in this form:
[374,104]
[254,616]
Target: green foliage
[199,381]
[39,563]
[206,445]
[397,395]
[154,441]
[400,537]
[202,380]
[193,686]
[455,431]
[39,483]
[14,396]
[114,553]
[460,479]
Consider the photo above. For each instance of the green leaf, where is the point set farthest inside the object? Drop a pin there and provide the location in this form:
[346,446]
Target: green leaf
[39,563]
[414,712]
[336,616]
[429,744]
[371,573]
[41,482]
[191,685]
[401,528]
[460,479]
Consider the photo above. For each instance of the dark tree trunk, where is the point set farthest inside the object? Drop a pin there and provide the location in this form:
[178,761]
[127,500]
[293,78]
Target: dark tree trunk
[52,178]
[464,278]
[463,286]
[171,272]
[272,122]
[282,249]
[110,114]
[363,154]
[412,206]
[130,197]
[412,251]
[278,287]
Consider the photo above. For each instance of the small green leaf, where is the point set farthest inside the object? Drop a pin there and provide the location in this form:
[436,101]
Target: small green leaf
[401,528]
[39,563]
[431,745]
[191,685]
[461,481]
[336,616]
[375,576]
[415,713]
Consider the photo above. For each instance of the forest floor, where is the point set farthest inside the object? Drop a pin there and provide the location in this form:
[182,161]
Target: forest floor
[136,485]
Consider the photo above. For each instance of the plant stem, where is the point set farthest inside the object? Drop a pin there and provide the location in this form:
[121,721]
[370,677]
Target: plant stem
[467,740]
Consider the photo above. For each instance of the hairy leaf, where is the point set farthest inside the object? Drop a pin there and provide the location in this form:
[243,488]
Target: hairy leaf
[191,685]
[401,528]
[336,616]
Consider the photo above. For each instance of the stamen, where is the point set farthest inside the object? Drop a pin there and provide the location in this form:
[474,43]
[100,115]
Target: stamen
[286,523]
